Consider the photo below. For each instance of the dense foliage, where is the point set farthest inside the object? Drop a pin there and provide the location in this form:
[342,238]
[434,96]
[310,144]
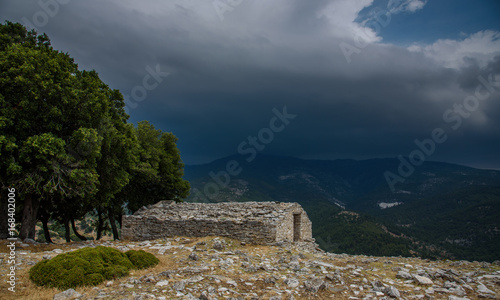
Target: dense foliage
[66,146]
[461,224]
[88,267]
[141,259]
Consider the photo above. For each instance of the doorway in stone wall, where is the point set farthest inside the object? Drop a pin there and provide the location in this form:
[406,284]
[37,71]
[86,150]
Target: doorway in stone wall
[296,227]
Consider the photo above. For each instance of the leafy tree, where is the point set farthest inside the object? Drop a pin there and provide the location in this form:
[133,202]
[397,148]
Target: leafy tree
[65,143]
[113,168]
[158,173]
[45,107]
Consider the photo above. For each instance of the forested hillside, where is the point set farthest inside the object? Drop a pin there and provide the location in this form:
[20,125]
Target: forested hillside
[442,210]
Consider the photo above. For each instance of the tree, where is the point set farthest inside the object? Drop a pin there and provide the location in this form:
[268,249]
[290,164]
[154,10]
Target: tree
[65,143]
[116,161]
[46,105]
[158,173]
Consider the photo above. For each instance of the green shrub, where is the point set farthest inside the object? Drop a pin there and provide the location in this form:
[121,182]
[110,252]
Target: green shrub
[142,259]
[88,267]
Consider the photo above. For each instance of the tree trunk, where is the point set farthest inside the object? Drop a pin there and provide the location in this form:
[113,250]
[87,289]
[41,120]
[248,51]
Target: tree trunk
[81,237]
[100,223]
[4,225]
[67,233]
[45,220]
[111,216]
[28,221]
[120,215]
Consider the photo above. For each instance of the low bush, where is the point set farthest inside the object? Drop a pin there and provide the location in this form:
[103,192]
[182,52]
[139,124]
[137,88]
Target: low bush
[142,259]
[88,267]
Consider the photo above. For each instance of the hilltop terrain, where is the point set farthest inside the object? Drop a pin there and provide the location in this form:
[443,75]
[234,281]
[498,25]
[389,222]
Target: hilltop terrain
[220,268]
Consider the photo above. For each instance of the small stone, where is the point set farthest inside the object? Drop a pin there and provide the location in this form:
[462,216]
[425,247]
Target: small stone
[195,279]
[205,296]
[109,283]
[179,285]
[162,283]
[145,244]
[217,245]
[292,282]
[314,285]
[232,282]
[451,297]
[423,280]
[270,280]
[404,275]
[67,295]
[377,285]
[58,251]
[148,279]
[47,257]
[392,292]
[193,256]
[482,289]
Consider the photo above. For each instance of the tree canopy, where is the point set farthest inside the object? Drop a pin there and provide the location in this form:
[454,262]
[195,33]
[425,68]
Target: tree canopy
[65,143]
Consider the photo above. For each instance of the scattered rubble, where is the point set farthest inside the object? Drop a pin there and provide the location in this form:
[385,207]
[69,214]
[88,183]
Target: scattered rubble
[222,268]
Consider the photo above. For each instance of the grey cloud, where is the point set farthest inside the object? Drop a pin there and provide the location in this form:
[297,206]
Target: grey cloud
[226,77]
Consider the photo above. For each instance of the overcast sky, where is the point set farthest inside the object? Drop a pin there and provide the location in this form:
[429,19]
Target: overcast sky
[363,78]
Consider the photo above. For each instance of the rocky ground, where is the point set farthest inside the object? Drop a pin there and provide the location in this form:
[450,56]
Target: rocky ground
[219,268]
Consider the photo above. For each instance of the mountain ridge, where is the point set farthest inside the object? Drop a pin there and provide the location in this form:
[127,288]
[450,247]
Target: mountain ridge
[327,188]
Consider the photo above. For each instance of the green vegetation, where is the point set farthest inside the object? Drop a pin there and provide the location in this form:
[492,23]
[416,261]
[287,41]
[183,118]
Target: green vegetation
[462,224]
[142,259]
[449,211]
[88,267]
[66,145]
[342,231]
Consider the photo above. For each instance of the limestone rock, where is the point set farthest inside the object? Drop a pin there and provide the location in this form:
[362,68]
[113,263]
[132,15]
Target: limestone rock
[292,282]
[179,285]
[404,275]
[482,289]
[392,292]
[193,256]
[162,283]
[67,295]
[422,280]
[314,285]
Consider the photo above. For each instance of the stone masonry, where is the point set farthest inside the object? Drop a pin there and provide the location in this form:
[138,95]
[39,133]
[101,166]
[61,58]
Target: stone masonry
[252,222]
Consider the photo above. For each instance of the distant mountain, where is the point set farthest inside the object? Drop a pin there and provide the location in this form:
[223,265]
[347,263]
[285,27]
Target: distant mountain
[440,210]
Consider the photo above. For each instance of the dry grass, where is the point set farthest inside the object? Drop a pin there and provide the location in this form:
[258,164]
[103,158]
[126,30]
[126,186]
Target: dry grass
[176,258]
[26,289]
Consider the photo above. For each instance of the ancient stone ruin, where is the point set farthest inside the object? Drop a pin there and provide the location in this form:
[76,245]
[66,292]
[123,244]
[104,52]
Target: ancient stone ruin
[252,222]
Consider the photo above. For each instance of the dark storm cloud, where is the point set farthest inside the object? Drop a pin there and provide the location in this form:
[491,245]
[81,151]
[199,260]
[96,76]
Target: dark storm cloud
[225,77]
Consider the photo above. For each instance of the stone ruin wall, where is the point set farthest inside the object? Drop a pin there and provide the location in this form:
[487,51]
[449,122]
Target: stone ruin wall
[285,229]
[252,222]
